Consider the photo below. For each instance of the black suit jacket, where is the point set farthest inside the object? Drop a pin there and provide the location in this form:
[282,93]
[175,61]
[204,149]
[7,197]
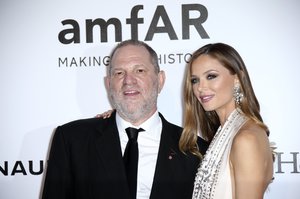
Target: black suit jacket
[85,162]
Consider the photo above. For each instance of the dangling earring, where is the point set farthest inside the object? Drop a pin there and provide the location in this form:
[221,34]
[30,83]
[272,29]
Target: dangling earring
[237,94]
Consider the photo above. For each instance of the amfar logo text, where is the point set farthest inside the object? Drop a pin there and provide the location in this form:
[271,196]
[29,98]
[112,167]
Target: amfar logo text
[73,34]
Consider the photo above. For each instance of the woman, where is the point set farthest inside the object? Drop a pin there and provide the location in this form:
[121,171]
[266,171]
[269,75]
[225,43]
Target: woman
[221,104]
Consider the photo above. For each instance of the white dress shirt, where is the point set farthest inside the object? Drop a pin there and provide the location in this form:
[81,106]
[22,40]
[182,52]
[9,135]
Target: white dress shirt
[148,142]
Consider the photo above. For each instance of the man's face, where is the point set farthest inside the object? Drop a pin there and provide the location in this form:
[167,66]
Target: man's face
[133,84]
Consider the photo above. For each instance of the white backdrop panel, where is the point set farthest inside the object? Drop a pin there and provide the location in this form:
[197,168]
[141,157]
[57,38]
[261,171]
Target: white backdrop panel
[37,94]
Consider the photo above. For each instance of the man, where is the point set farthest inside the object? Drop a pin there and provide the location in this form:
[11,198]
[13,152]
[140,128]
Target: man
[86,161]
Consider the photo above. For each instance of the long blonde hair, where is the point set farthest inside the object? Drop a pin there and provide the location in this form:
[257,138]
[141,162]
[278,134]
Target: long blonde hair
[195,117]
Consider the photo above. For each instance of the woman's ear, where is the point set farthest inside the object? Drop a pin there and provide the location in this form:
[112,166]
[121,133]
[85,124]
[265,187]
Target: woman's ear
[236,79]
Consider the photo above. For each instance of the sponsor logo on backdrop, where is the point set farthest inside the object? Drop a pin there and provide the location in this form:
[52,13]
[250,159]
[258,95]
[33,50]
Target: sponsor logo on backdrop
[30,167]
[72,62]
[72,32]
[286,163]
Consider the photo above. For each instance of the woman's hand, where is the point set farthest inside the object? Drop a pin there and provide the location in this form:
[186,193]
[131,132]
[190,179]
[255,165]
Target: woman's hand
[105,114]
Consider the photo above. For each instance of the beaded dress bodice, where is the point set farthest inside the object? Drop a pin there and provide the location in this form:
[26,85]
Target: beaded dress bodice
[213,179]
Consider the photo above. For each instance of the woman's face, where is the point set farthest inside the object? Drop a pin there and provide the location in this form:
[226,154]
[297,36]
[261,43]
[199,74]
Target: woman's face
[213,85]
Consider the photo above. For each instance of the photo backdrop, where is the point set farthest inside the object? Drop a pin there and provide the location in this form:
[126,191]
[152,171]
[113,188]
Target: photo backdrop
[54,53]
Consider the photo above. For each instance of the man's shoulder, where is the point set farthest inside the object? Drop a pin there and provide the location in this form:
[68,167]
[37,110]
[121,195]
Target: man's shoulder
[87,122]
[170,125]
[84,126]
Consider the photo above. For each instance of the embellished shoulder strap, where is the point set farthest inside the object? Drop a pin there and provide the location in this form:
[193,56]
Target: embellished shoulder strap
[207,174]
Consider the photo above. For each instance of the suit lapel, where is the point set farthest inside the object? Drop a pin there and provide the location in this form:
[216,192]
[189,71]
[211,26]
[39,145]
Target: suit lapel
[109,149]
[167,154]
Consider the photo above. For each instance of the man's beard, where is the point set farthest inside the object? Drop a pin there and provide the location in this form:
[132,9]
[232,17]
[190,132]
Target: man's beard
[134,112]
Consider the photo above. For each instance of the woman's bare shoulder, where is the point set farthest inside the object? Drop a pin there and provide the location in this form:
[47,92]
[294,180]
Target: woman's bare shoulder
[251,146]
[251,134]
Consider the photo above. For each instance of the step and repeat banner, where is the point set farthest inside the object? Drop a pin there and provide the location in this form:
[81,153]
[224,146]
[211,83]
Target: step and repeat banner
[54,55]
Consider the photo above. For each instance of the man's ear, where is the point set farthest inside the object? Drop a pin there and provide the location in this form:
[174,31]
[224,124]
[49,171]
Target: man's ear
[106,82]
[161,80]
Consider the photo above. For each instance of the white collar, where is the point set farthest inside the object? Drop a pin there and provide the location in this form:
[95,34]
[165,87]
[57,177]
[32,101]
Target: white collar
[153,121]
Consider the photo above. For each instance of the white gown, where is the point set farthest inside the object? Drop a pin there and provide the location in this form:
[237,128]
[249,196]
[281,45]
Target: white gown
[213,180]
